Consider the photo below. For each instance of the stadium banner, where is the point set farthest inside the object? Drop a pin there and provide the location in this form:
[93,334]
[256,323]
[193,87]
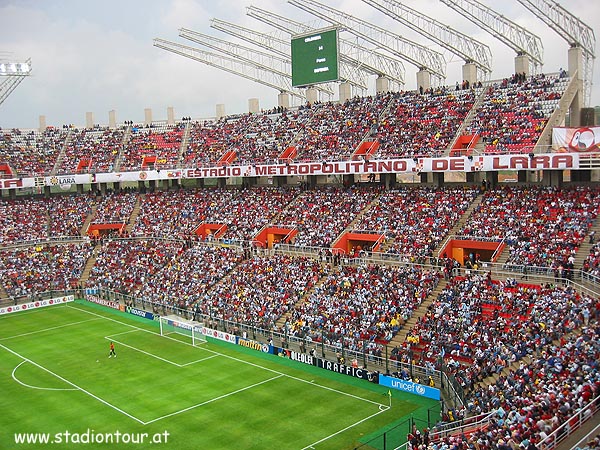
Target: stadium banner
[582,140]
[141,313]
[295,356]
[249,343]
[36,304]
[486,163]
[101,301]
[356,372]
[409,386]
[220,335]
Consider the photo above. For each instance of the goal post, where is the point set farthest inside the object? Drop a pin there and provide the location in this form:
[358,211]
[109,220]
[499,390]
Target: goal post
[170,325]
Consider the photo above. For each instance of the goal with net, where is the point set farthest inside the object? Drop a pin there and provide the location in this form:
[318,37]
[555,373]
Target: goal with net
[172,325]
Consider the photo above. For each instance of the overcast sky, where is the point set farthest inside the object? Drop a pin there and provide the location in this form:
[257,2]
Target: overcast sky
[97,56]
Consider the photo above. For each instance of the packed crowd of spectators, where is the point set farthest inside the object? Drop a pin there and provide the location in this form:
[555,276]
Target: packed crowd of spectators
[126,266]
[31,152]
[186,282]
[255,138]
[261,289]
[514,112]
[535,400]
[115,207]
[544,226]
[243,212]
[333,131]
[22,220]
[416,220]
[480,325]
[321,214]
[29,271]
[422,124]
[361,307]
[91,150]
[591,265]
[153,147]
[67,213]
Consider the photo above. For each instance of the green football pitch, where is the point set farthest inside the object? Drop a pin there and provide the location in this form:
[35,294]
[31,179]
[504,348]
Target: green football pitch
[58,384]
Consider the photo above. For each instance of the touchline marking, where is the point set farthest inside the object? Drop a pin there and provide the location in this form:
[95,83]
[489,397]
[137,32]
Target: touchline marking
[213,399]
[48,329]
[311,446]
[72,384]
[14,377]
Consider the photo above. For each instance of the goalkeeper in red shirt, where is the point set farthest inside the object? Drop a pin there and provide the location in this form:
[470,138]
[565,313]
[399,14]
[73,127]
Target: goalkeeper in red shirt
[112,350]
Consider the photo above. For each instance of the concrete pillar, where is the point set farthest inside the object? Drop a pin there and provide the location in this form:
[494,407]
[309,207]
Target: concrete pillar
[522,64]
[576,66]
[423,79]
[142,187]
[43,125]
[345,91]
[112,119]
[553,178]
[89,120]
[283,100]
[79,188]
[311,181]
[220,110]
[312,95]
[221,182]
[469,71]
[253,107]
[147,116]
[103,188]
[382,84]
[170,116]
[348,180]
[438,179]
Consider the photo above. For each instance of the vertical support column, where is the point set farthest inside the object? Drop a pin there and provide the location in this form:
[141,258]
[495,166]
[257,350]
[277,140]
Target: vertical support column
[112,119]
[89,120]
[220,110]
[522,64]
[253,107]
[43,125]
[576,69]
[382,84]
[312,95]
[423,80]
[147,116]
[345,92]
[469,72]
[170,116]
[283,100]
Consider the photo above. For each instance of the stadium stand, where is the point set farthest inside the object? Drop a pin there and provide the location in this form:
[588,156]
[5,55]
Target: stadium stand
[30,152]
[514,112]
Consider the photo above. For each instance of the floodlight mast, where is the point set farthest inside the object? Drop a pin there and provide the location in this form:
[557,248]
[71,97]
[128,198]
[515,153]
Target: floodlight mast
[571,29]
[467,48]
[424,58]
[254,72]
[13,73]
[279,43]
[518,38]
[359,57]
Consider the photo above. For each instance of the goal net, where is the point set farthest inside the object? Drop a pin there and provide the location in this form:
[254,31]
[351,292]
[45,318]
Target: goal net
[170,325]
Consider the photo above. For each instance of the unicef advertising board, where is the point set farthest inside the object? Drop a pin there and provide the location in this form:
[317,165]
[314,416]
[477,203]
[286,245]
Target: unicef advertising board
[410,387]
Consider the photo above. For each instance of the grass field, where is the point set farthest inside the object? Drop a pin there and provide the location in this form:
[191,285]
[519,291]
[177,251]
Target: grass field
[56,378]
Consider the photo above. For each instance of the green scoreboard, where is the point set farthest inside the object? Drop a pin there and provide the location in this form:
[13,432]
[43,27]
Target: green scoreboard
[315,58]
